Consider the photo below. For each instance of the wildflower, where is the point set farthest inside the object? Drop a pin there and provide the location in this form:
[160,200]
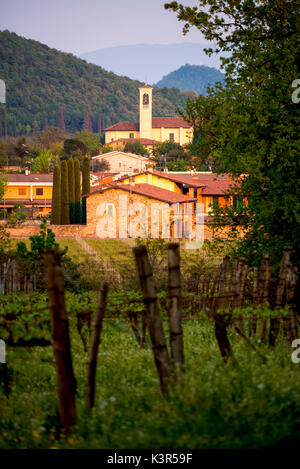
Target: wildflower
[260,386]
[112,398]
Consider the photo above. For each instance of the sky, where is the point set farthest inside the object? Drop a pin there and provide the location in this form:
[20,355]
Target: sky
[79,26]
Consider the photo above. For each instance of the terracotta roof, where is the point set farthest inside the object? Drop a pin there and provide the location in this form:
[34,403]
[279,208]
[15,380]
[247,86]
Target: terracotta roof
[124,126]
[150,191]
[157,122]
[182,179]
[38,202]
[145,86]
[102,174]
[38,177]
[212,184]
[169,122]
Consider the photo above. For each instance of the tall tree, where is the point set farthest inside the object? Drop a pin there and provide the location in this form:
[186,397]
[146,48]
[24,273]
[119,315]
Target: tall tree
[71,179]
[85,184]
[45,121]
[60,121]
[65,211]
[99,124]
[5,122]
[77,191]
[56,196]
[87,123]
[15,126]
[255,124]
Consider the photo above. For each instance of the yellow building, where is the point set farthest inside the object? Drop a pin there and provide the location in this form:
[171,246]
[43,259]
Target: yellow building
[155,129]
[33,191]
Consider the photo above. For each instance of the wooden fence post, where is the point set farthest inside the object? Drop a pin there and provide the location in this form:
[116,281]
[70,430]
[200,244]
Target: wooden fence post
[175,314]
[61,340]
[95,346]
[155,324]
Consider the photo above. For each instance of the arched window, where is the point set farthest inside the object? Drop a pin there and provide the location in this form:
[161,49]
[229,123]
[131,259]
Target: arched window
[145,99]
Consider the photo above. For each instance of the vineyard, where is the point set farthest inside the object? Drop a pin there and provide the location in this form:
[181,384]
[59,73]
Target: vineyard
[189,350]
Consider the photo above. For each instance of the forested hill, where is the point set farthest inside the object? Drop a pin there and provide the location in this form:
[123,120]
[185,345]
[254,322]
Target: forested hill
[192,77]
[42,82]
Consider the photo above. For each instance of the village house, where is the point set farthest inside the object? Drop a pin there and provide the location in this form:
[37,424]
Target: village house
[147,143]
[138,210]
[206,188]
[32,191]
[154,129]
[124,163]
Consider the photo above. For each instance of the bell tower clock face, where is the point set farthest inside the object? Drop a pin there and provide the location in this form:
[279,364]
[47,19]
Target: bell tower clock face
[145,99]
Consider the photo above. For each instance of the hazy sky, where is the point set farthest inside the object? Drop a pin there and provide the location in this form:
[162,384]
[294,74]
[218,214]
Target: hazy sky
[84,25]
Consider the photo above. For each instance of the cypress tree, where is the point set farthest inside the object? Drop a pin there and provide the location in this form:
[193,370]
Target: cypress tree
[56,197]
[85,184]
[77,211]
[71,180]
[65,215]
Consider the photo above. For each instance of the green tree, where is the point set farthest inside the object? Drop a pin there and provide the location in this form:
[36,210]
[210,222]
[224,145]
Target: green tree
[90,140]
[255,126]
[74,148]
[56,196]
[22,149]
[136,148]
[85,184]
[43,162]
[178,165]
[65,211]
[77,191]
[71,180]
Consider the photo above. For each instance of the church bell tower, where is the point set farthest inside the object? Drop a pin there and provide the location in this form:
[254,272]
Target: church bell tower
[145,111]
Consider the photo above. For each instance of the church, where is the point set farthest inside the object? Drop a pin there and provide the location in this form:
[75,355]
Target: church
[150,130]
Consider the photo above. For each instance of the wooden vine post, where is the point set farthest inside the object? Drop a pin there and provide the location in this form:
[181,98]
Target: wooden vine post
[155,325]
[221,321]
[95,346]
[61,341]
[175,314]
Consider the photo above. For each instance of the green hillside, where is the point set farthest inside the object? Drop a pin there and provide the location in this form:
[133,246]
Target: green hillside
[42,80]
[192,77]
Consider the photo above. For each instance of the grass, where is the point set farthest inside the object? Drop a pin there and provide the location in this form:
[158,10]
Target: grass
[249,405]
[115,252]
[75,251]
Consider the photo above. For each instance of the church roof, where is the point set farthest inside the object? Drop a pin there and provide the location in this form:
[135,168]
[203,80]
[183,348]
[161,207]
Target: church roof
[157,122]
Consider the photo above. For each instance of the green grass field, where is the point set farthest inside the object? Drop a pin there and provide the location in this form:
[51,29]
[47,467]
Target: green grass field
[248,405]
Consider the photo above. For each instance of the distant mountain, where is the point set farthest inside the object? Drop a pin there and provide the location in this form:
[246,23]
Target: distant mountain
[40,81]
[150,62]
[192,77]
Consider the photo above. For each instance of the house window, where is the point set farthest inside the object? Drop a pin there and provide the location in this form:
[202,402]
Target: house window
[171,137]
[131,135]
[110,210]
[39,191]
[212,203]
[237,202]
[22,191]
